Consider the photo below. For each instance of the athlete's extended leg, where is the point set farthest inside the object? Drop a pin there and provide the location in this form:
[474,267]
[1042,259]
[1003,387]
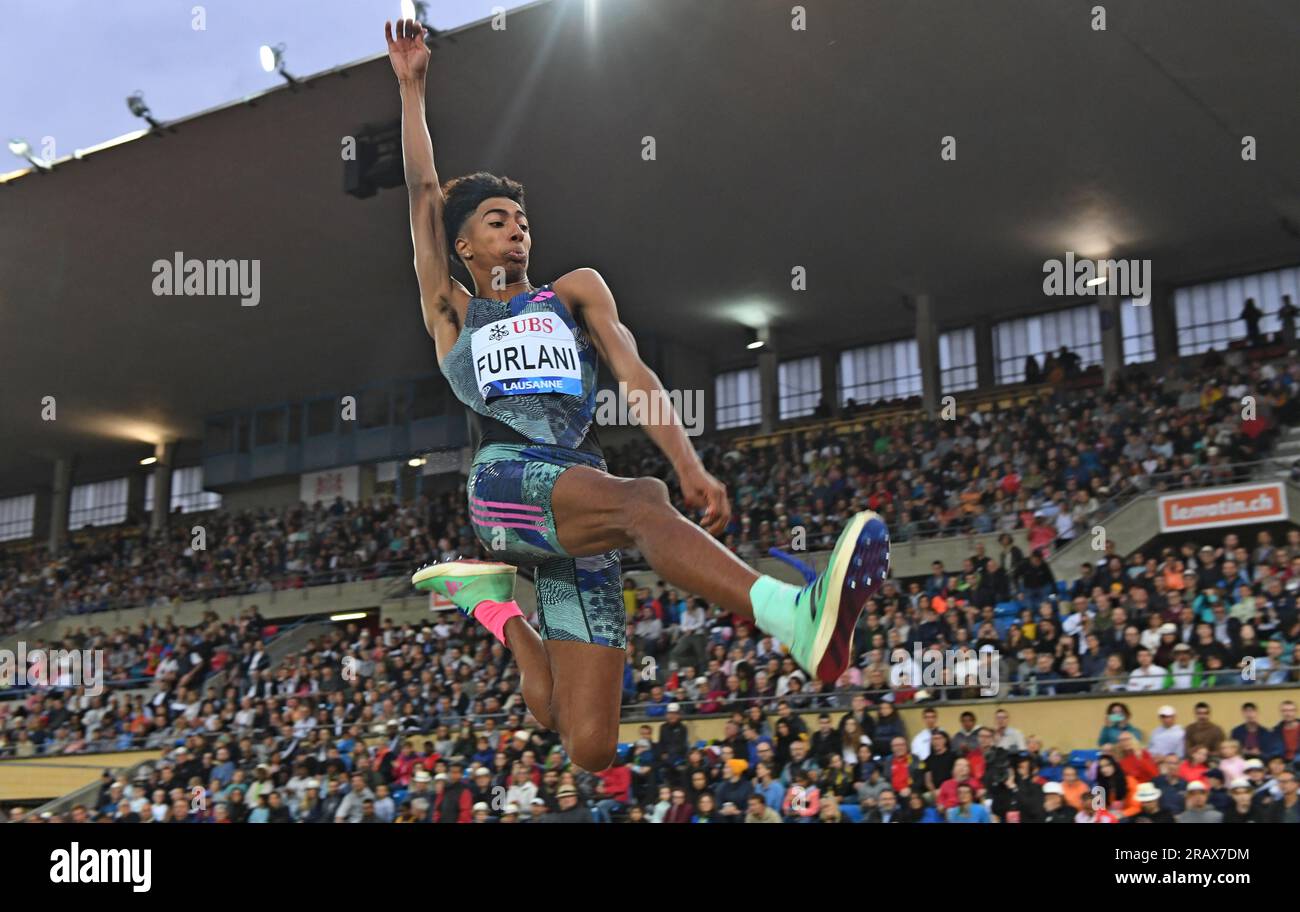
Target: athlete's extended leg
[595,511]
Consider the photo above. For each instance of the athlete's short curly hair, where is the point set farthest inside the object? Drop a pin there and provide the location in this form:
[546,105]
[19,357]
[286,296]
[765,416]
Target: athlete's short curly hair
[463,195]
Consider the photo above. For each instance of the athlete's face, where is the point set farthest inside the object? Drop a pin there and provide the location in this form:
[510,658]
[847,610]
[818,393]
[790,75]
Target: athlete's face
[496,236]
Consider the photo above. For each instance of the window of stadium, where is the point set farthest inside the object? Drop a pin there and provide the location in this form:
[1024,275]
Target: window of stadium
[739,399]
[102,503]
[957,361]
[799,387]
[268,427]
[17,517]
[187,491]
[1209,315]
[219,435]
[1078,328]
[428,397]
[372,407]
[1137,332]
[891,370]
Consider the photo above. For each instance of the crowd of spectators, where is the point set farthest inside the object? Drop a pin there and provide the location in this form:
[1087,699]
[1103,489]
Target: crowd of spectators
[1187,617]
[247,552]
[1047,469]
[864,767]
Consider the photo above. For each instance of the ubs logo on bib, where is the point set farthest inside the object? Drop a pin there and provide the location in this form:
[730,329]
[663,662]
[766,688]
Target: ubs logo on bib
[526,355]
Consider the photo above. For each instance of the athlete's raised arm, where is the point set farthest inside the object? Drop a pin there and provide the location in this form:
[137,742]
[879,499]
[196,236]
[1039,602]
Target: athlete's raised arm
[439,291]
[591,297]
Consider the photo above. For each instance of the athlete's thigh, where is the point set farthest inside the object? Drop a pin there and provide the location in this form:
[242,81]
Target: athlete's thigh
[588,506]
[584,629]
[587,688]
[580,600]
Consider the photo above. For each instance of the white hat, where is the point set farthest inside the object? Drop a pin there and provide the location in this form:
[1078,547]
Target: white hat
[1254,763]
[1166,710]
[422,775]
[1147,791]
[1241,782]
[441,777]
[1053,788]
[480,806]
[521,735]
[674,707]
[512,808]
[1196,785]
[482,771]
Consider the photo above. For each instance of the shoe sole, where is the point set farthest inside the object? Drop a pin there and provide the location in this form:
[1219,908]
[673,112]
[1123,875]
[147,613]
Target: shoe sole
[858,573]
[460,568]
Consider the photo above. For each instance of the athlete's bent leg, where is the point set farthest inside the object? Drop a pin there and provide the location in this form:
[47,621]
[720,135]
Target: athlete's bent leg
[585,700]
[596,511]
[534,669]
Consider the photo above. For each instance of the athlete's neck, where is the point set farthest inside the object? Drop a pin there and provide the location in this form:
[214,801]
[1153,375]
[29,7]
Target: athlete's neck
[505,292]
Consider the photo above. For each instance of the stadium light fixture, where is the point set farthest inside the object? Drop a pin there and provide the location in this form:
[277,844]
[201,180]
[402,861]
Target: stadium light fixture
[350,616]
[20,148]
[415,9]
[416,462]
[148,460]
[759,338]
[272,59]
[135,104]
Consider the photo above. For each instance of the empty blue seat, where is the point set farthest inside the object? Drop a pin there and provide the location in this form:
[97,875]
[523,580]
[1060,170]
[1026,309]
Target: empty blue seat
[1081,758]
[852,812]
[1007,609]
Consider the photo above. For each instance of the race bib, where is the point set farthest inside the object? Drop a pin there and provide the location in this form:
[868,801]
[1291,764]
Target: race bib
[526,355]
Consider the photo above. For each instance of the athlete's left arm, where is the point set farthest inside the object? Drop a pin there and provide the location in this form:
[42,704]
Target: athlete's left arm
[590,298]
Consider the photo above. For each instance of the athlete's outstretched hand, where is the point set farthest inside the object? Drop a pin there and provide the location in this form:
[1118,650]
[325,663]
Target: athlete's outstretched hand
[407,51]
[703,491]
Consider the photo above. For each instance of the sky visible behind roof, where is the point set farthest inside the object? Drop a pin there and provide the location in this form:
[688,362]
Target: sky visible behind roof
[67,68]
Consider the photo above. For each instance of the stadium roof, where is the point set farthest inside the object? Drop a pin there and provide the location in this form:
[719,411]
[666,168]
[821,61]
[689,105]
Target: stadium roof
[775,148]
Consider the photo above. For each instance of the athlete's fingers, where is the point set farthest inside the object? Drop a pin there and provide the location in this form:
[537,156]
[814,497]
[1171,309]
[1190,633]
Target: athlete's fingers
[726,510]
[388,34]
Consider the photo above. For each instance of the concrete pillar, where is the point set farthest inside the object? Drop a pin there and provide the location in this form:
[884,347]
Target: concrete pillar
[165,453]
[767,385]
[1112,337]
[1164,324]
[986,372]
[927,341]
[42,511]
[135,485]
[830,363]
[60,503]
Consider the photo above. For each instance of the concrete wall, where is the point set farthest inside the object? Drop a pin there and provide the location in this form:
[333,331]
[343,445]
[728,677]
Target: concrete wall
[271,492]
[40,778]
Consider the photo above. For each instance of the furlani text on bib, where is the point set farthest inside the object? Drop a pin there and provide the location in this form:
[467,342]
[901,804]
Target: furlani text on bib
[528,354]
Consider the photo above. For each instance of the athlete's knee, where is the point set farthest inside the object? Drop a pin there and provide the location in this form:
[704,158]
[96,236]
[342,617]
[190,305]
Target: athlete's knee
[592,754]
[643,496]
[592,745]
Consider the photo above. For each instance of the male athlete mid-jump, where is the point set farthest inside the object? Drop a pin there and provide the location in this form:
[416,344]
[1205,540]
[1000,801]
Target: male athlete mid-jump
[523,359]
